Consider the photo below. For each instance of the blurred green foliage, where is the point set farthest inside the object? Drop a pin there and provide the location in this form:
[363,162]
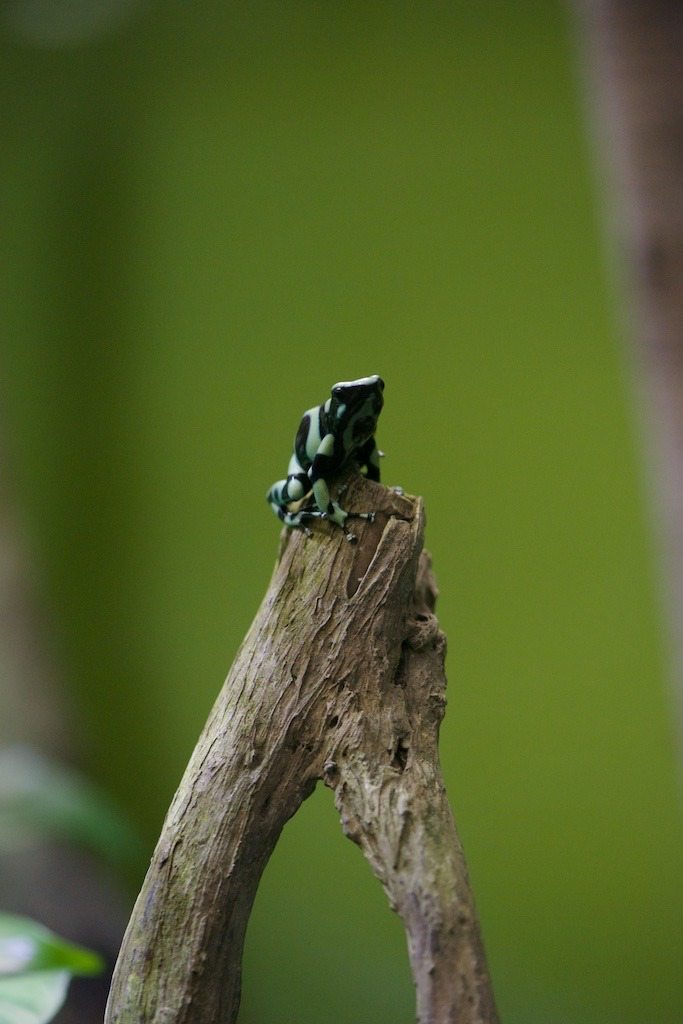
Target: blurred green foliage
[41,801]
[35,969]
[212,213]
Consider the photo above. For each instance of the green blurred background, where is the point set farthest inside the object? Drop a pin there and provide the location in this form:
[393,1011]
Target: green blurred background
[212,212]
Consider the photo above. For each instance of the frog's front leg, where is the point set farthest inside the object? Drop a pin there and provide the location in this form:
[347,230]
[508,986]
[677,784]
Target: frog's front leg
[369,456]
[322,468]
[331,510]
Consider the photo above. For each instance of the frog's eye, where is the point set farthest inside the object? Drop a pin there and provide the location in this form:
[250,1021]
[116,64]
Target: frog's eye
[338,391]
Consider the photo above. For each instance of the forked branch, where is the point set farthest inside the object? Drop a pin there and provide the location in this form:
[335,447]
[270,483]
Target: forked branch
[340,678]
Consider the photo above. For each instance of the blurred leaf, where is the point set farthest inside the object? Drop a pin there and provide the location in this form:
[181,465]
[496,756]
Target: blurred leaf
[28,946]
[35,969]
[40,798]
[32,998]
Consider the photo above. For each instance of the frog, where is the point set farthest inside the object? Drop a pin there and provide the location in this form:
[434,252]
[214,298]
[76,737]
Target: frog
[331,437]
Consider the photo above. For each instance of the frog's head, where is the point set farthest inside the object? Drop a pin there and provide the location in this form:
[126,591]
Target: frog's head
[356,404]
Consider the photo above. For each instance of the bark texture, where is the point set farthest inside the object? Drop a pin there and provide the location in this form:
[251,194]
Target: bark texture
[634,50]
[340,678]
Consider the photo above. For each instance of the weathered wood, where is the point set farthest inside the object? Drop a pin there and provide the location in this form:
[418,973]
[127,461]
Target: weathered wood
[340,678]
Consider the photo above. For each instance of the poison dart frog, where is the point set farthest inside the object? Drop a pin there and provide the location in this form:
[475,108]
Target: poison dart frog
[330,438]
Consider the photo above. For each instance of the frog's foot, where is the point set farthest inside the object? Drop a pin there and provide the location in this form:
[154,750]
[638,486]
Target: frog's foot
[370,516]
[297,523]
[296,519]
[339,516]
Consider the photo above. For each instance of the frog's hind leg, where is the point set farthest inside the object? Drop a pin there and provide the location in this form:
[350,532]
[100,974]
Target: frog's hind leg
[283,493]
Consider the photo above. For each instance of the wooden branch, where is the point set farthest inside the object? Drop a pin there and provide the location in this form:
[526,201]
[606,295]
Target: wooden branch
[340,678]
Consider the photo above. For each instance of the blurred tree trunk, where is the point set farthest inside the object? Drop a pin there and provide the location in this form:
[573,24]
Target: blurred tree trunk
[30,711]
[635,57]
[48,879]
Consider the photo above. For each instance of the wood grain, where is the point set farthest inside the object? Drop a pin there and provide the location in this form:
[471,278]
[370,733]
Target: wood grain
[339,679]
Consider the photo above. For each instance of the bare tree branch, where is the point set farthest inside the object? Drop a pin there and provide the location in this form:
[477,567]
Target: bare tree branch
[339,678]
